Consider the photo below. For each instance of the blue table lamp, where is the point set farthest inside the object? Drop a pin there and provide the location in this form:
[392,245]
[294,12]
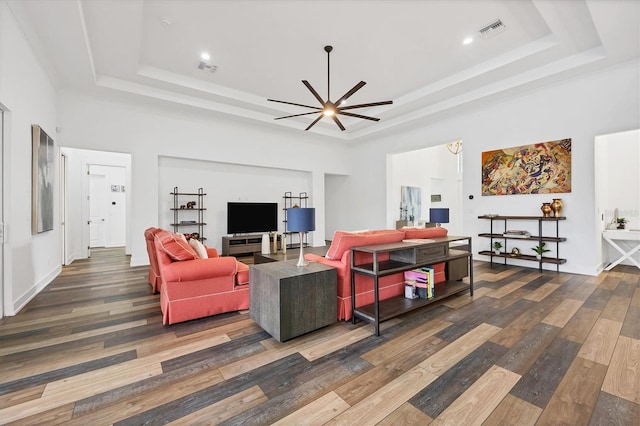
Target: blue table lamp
[301,220]
[439,216]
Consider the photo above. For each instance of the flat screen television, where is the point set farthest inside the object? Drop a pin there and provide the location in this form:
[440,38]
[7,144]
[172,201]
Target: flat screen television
[244,218]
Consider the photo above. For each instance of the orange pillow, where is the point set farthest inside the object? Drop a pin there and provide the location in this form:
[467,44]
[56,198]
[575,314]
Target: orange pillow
[422,233]
[176,247]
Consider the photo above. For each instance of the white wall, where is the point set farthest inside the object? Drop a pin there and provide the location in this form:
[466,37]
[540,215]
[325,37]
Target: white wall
[149,131]
[26,90]
[603,102]
[223,182]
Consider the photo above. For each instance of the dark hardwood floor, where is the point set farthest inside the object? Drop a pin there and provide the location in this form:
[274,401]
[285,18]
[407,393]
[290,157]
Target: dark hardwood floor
[528,348]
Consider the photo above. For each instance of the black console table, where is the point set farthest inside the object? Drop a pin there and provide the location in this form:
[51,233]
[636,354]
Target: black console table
[404,256]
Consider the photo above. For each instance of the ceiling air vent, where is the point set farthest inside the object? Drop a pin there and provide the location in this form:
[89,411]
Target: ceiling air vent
[496,27]
[207,67]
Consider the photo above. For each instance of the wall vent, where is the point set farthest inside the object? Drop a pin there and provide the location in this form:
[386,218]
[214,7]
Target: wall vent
[207,67]
[496,27]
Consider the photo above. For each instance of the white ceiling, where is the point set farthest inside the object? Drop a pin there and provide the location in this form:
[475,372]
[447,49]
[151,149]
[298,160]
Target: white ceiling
[407,51]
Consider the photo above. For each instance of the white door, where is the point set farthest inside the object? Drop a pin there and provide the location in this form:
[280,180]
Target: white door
[97,210]
[2,236]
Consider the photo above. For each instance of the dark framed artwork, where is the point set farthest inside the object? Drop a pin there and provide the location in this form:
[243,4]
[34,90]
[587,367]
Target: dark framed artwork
[541,168]
[41,181]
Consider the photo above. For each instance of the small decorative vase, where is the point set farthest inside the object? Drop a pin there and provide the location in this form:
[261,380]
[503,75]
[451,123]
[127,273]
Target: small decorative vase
[556,206]
[546,209]
[538,256]
[265,244]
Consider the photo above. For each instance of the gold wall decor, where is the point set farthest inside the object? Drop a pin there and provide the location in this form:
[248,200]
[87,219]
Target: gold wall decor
[541,168]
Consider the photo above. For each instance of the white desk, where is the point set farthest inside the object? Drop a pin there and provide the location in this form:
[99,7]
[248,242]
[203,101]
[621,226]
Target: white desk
[622,235]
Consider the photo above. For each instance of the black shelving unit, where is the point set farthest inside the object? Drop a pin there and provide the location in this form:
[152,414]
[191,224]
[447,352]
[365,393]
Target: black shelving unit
[506,255]
[289,202]
[186,219]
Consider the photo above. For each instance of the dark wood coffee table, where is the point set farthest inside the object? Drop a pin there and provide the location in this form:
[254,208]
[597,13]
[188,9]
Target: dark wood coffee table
[291,254]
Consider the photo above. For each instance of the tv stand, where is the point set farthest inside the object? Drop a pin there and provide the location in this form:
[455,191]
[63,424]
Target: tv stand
[245,244]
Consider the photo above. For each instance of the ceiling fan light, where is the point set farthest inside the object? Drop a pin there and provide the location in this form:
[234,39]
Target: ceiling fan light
[328,112]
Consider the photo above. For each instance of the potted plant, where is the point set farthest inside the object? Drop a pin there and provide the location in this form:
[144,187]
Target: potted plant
[496,247]
[621,221]
[540,249]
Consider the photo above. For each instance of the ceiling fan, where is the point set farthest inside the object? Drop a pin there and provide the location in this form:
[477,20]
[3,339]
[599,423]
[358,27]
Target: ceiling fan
[332,109]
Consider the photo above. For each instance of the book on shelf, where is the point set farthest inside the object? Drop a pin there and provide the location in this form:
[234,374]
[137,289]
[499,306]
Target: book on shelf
[514,233]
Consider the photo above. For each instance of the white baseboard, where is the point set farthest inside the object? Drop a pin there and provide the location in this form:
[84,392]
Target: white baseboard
[26,297]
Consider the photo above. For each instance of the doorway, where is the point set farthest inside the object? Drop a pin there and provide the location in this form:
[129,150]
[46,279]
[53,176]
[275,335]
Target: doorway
[437,171]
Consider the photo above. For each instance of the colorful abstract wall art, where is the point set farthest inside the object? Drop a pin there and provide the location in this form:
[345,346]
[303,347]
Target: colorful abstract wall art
[541,168]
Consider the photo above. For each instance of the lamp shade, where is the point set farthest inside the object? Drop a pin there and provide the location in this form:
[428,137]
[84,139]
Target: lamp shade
[301,219]
[439,215]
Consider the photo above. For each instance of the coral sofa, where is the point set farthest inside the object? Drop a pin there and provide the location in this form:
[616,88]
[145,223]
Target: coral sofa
[339,256]
[195,285]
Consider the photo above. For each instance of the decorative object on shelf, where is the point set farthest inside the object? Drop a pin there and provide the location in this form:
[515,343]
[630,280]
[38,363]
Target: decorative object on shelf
[515,252]
[439,216]
[621,221]
[514,233]
[546,209]
[541,168]
[191,204]
[193,235]
[540,249]
[301,220]
[274,244]
[182,207]
[333,109]
[496,247]
[265,244]
[556,206]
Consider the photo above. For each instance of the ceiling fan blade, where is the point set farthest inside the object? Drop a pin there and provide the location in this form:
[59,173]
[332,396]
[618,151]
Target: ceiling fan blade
[365,105]
[312,90]
[350,114]
[292,103]
[338,122]
[353,90]
[314,122]
[298,115]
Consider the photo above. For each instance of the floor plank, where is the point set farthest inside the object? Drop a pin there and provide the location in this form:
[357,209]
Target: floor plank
[528,348]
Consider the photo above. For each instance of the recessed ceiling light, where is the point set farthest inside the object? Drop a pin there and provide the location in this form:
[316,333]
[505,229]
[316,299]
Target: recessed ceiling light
[467,40]
[205,56]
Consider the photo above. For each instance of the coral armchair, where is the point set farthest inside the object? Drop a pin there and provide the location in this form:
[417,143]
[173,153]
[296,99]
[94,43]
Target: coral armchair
[195,288]
[154,273]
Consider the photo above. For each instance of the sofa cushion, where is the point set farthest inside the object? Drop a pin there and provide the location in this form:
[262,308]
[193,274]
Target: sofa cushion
[422,233]
[175,247]
[199,248]
[343,241]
